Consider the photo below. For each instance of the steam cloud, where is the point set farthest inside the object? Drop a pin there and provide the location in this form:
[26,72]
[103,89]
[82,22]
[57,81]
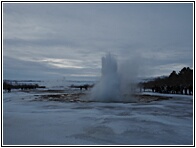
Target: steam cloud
[116,83]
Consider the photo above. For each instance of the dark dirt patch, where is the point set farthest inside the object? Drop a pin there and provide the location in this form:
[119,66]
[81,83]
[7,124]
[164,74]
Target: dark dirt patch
[61,97]
[76,97]
[150,98]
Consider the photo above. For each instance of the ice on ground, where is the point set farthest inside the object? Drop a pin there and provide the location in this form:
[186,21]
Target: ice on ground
[169,95]
[27,122]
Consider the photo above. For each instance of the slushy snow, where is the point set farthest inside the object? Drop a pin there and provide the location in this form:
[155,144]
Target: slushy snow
[28,122]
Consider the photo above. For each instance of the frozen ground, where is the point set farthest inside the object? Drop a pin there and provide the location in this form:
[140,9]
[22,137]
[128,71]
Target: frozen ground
[28,122]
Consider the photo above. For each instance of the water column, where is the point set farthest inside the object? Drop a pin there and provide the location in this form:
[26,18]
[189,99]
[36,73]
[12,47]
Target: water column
[108,89]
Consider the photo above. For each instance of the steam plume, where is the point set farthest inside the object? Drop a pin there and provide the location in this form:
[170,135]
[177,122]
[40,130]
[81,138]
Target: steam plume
[117,82]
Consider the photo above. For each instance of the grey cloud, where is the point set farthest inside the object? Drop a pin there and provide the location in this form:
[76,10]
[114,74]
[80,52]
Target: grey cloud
[161,33]
[25,68]
[40,42]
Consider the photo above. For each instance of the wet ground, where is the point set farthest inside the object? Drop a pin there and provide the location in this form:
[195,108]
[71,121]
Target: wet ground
[59,117]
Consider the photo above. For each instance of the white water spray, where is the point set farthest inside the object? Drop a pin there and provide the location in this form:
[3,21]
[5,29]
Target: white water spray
[108,89]
[117,84]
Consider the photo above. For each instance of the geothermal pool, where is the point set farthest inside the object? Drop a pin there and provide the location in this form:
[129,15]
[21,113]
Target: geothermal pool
[43,122]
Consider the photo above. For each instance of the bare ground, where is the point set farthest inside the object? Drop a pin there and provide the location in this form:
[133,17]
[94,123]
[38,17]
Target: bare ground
[58,95]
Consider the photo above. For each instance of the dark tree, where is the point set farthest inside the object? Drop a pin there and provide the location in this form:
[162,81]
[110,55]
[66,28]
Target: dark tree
[181,82]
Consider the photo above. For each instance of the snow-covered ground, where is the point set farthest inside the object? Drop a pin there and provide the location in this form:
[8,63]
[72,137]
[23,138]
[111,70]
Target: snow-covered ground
[28,122]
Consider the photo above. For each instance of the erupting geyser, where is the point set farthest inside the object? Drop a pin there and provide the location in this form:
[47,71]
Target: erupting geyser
[108,89]
[117,84]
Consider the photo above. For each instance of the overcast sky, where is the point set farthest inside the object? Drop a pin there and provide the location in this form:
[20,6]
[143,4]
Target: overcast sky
[55,40]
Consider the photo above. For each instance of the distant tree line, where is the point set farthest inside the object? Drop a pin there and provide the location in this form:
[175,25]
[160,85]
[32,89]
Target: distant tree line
[175,83]
[8,86]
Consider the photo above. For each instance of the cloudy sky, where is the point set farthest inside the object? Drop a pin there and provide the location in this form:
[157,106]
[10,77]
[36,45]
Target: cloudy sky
[55,40]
